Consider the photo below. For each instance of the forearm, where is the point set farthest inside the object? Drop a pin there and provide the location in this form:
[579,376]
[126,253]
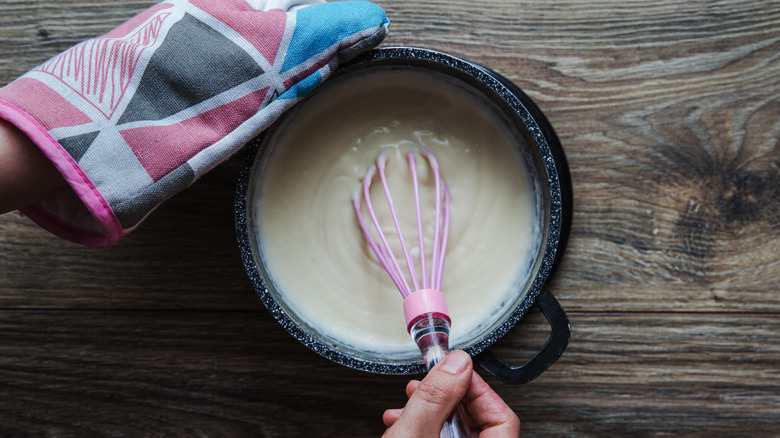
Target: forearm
[26,175]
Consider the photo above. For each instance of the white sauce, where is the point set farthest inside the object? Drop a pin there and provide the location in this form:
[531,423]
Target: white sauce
[310,240]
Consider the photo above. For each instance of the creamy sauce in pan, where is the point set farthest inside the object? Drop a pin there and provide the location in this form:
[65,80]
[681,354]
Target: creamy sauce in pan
[311,243]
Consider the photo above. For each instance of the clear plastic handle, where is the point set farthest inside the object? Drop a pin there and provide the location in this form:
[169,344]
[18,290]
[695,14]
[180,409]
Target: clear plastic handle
[431,333]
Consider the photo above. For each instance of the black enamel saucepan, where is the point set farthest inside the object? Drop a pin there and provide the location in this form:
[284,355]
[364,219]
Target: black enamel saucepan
[539,147]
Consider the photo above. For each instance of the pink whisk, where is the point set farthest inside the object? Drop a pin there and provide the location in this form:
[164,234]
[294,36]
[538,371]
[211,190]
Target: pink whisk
[427,317]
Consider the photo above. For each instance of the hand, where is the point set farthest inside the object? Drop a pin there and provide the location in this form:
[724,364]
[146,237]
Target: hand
[26,175]
[431,401]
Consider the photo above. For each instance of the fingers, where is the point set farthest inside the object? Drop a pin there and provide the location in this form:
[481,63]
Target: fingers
[488,410]
[432,400]
[353,27]
[391,416]
[411,387]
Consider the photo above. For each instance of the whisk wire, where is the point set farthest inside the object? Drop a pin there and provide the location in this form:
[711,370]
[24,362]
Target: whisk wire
[383,253]
[382,165]
[437,211]
[445,233]
[430,275]
[420,240]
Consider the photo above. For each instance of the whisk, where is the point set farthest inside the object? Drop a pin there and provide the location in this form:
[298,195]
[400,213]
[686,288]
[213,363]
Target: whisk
[425,309]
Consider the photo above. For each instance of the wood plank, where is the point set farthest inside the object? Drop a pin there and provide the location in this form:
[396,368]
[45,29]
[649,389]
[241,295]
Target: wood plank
[140,374]
[76,373]
[33,31]
[639,374]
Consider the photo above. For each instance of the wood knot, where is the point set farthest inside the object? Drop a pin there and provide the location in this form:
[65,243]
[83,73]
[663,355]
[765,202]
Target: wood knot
[744,197]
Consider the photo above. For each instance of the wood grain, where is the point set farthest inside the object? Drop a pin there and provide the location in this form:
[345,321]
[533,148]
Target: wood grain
[668,112]
[164,265]
[236,373]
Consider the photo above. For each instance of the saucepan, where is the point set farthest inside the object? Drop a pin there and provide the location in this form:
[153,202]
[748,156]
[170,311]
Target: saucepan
[541,150]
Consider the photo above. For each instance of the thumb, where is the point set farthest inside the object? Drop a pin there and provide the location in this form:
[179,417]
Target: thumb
[435,397]
[325,35]
[346,27]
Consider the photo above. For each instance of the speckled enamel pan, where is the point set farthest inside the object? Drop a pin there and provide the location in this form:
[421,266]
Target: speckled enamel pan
[543,153]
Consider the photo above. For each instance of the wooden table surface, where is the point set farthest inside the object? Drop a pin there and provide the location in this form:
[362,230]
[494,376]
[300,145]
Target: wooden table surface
[668,112]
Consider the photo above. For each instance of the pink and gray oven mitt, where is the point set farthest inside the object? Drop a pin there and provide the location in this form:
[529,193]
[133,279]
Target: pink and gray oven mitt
[136,115]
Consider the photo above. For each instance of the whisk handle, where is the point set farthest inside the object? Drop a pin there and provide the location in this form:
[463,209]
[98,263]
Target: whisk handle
[455,426]
[431,332]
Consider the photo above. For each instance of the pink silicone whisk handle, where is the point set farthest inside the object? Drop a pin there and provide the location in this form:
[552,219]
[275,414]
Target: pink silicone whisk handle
[431,333]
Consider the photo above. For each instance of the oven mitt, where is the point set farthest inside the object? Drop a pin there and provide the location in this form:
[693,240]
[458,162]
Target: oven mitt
[136,115]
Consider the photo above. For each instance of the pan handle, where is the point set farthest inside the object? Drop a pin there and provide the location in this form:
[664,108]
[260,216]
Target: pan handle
[549,353]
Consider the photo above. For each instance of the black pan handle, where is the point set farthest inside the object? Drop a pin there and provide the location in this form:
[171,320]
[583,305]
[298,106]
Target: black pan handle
[552,350]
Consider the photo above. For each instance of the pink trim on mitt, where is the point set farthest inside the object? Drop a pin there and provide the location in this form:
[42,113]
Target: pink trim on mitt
[86,191]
